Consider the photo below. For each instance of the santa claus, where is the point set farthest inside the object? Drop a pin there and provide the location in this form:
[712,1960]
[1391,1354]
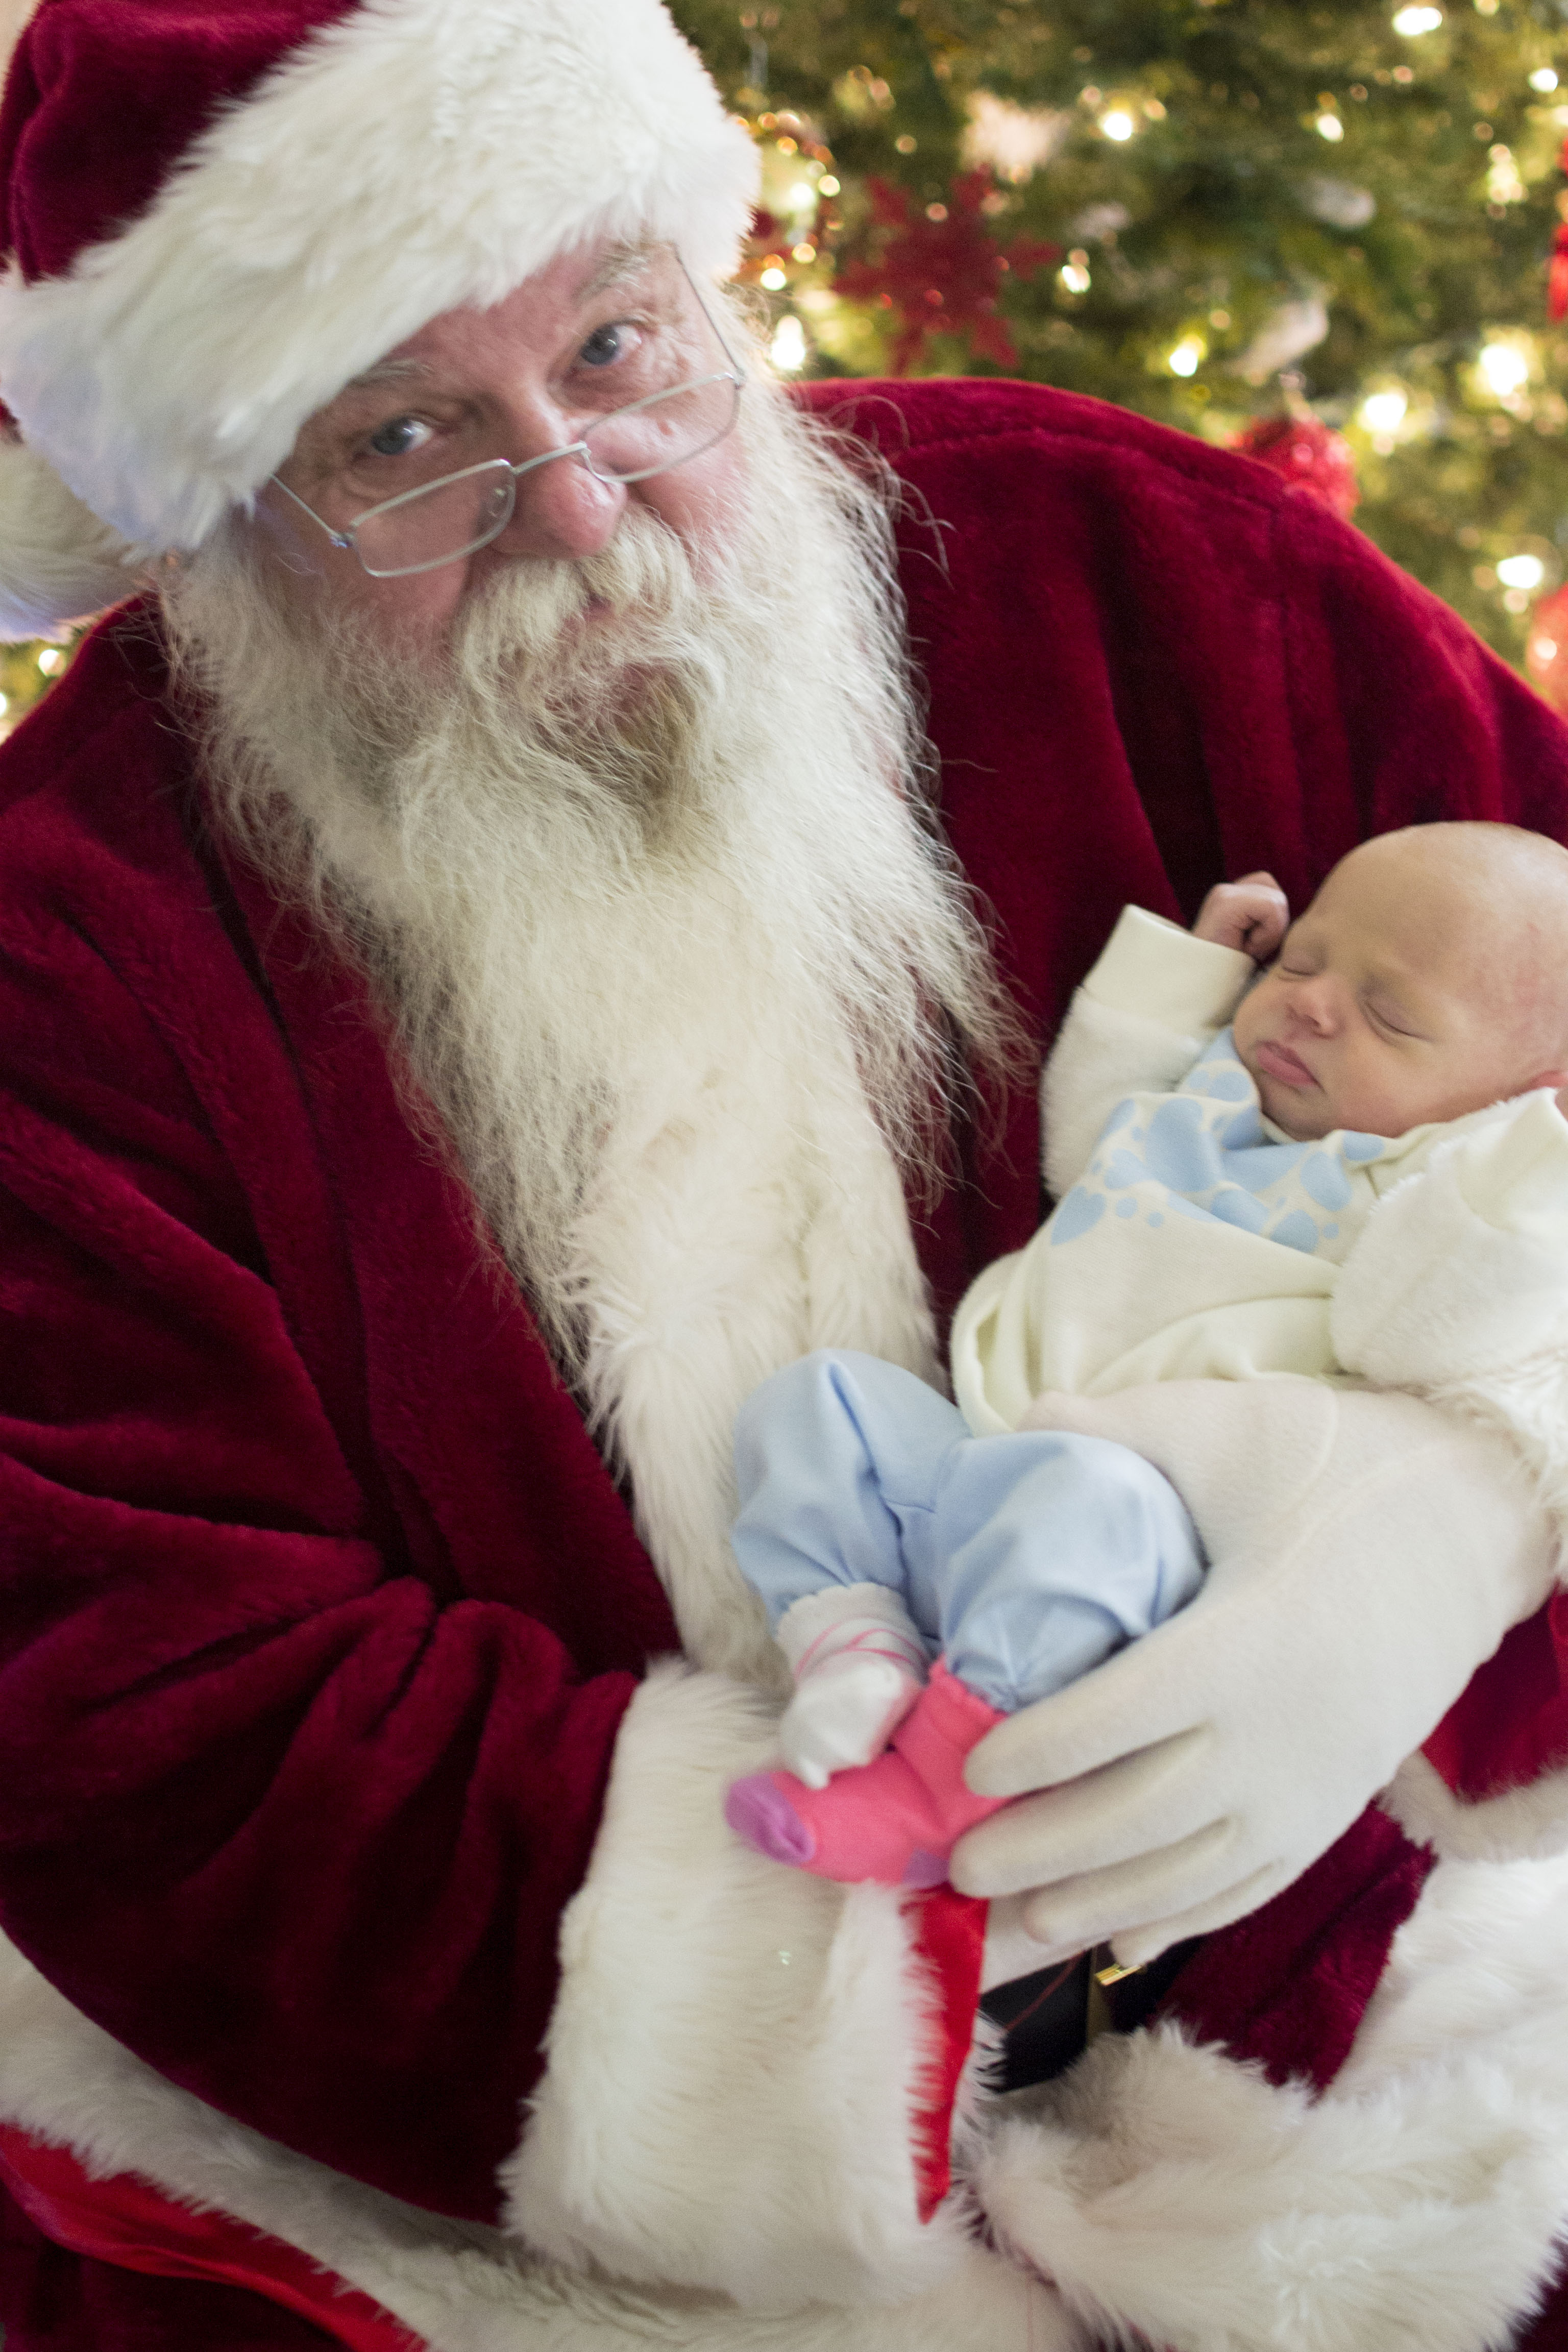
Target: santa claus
[527,915]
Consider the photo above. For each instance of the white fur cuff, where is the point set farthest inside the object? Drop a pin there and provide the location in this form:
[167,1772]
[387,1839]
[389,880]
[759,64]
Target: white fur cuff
[735,2049]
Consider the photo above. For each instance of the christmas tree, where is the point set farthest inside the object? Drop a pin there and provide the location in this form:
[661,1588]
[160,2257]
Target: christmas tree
[1342,217]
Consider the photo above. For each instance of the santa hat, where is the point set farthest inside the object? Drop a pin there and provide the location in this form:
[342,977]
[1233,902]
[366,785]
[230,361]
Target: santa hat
[216,211]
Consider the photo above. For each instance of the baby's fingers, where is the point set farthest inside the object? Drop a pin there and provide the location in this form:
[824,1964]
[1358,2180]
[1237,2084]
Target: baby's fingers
[1251,915]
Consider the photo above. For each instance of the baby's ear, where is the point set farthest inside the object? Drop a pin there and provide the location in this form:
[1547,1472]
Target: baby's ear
[1558,1081]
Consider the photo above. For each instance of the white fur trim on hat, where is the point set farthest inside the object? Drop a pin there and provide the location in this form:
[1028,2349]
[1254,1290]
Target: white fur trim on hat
[414,156]
[58,562]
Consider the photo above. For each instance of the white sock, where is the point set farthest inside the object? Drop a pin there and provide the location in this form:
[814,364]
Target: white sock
[859,1665]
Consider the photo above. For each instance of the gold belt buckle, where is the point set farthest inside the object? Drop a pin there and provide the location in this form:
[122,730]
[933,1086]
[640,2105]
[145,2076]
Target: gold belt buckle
[1113,1972]
[1097,2019]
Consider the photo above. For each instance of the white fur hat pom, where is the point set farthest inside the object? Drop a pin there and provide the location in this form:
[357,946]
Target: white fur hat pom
[58,562]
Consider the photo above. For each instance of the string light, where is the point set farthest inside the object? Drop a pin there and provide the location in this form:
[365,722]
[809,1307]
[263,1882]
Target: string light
[50,660]
[787,349]
[1504,369]
[1384,412]
[1413,22]
[1188,355]
[774,279]
[1329,127]
[1117,124]
[1521,571]
[1543,79]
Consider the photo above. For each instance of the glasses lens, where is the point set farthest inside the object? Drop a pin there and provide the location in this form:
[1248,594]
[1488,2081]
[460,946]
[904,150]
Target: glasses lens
[436,525]
[666,431]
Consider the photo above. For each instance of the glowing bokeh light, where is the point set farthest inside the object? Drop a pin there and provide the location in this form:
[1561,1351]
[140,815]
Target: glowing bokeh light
[1504,369]
[787,349]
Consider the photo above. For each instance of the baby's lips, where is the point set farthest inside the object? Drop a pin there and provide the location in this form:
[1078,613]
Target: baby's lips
[1279,1061]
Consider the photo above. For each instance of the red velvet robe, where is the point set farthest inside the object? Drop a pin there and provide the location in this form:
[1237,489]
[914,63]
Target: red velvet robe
[321,1611]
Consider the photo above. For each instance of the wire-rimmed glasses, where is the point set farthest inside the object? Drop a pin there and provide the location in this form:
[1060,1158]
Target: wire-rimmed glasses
[442,521]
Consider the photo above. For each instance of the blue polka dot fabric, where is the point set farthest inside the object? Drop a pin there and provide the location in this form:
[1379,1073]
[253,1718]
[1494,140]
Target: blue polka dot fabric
[1206,1153]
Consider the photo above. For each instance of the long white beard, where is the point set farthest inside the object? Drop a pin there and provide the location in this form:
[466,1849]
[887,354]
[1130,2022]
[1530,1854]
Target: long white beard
[641,887]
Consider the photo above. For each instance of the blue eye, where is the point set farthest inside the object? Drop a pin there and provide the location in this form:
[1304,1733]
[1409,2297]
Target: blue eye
[603,347]
[397,437]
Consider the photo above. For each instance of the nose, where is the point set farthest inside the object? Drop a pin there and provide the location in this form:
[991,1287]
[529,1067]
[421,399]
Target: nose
[1313,1002]
[562,511]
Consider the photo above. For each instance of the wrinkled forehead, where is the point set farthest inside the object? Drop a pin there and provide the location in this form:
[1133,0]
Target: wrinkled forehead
[543,312]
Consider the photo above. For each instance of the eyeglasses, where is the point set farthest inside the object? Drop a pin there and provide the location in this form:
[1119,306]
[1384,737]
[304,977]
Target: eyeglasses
[443,520]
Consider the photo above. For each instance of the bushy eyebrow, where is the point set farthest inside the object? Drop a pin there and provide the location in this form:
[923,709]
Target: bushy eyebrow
[623,260]
[384,371]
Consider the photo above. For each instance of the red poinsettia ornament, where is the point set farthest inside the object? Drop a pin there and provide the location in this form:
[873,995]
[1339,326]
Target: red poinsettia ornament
[1557,277]
[941,269]
[1557,268]
[1546,652]
[1309,455]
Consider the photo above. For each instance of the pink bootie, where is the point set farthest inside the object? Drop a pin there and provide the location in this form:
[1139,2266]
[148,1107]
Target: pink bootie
[895,1820]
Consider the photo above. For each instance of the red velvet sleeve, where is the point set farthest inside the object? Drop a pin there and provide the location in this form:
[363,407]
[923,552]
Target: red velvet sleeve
[1390,691]
[287,1814]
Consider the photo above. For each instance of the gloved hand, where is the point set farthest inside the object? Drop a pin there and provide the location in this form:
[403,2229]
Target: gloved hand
[1367,1553]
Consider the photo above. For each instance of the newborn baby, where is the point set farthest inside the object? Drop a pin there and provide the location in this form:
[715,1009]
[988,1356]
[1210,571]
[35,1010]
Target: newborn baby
[1412,1027]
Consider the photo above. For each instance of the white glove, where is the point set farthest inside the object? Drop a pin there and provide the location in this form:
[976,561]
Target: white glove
[1367,1552]
[859,1665]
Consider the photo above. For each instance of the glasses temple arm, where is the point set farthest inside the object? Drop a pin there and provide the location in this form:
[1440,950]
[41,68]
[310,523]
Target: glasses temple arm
[337,537]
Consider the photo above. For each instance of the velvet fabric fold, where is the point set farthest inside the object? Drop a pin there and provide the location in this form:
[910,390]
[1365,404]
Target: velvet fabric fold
[320,1614]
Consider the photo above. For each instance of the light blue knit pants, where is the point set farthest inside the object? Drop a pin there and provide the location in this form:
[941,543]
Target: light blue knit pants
[1024,1561]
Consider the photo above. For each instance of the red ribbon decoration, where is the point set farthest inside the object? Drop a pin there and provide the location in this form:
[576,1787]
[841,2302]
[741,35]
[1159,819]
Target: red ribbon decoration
[1557,268]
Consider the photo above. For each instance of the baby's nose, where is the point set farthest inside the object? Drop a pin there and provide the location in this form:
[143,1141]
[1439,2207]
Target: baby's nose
[1312,1002]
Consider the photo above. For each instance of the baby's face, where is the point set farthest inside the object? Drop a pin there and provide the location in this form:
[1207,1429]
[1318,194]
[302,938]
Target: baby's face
[1400,995]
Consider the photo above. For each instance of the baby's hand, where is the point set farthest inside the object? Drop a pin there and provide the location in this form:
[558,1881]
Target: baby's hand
[1251,914]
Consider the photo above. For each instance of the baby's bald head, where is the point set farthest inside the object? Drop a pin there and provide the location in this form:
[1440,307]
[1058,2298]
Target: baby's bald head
[1483,908]
[1428,978]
